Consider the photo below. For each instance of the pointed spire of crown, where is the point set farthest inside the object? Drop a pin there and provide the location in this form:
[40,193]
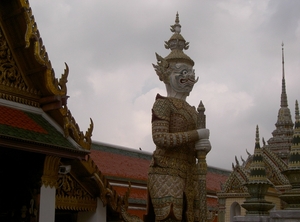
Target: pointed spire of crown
[284,102]
[176,27]
[177,44]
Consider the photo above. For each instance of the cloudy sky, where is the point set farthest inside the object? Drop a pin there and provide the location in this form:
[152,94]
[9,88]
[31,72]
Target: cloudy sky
[110,46]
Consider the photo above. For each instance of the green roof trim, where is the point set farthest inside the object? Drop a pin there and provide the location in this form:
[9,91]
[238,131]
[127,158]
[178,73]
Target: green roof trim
[53,137]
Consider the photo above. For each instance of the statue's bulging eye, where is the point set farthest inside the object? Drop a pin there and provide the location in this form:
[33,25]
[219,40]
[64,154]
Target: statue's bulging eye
[184,72]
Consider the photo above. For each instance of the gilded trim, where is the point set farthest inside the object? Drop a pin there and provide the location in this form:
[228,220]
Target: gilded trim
[72,128]
[57,87]
[75,203]
[50,174]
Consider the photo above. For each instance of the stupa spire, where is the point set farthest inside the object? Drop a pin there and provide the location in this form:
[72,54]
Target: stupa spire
[282,136]
[294,158]
[257,144]
[297,118]
[284,102]
[292,197]
[257,184]
[257,168]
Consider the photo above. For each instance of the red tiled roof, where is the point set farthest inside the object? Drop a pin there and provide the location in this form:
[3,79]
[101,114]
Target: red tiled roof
[212,202]
[17,118]
[30,127]
[134,192]
[213,181]
[117,165]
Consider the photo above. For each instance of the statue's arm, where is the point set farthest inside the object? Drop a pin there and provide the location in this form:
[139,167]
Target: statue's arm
[164,139]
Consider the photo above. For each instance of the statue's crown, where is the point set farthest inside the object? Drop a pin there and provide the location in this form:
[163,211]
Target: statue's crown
[177,43]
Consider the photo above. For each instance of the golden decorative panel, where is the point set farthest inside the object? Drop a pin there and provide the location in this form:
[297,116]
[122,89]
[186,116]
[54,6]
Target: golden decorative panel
[12,85]
[71,196]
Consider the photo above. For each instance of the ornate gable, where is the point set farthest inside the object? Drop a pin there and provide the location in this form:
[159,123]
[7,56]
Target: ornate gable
[13,86]
[72,196]
[235,182]
[239,176]
[274,167]
[26,73]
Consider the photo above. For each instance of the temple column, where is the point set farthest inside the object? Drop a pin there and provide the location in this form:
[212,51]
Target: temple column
[47,204]
[48,189]
[222,209]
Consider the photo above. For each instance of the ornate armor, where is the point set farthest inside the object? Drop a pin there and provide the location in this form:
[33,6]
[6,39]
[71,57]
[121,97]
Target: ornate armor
[173,177]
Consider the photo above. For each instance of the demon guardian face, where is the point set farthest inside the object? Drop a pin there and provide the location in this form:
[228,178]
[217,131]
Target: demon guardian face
[182,78]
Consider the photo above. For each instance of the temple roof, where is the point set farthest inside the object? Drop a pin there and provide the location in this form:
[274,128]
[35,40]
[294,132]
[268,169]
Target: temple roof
[121,162]
[241,172]
[34,116]
[27,76]
[29,126]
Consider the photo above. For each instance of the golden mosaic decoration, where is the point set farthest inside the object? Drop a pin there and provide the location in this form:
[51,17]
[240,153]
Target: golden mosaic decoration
[71,196]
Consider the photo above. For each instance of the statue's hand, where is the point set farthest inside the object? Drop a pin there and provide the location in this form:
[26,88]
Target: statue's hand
[203,133]
[203,145]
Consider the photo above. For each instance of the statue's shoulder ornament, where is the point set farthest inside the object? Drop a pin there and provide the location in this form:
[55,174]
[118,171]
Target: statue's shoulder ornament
[161,109]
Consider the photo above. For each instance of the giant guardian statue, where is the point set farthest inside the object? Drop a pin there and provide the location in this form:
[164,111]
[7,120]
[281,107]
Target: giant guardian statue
[176,180]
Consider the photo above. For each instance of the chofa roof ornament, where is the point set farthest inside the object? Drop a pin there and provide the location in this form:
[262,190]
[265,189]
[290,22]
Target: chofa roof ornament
[176,44]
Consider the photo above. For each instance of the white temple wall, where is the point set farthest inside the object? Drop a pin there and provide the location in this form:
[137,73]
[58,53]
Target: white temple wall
[96,216]
[47,204]
[228,204]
